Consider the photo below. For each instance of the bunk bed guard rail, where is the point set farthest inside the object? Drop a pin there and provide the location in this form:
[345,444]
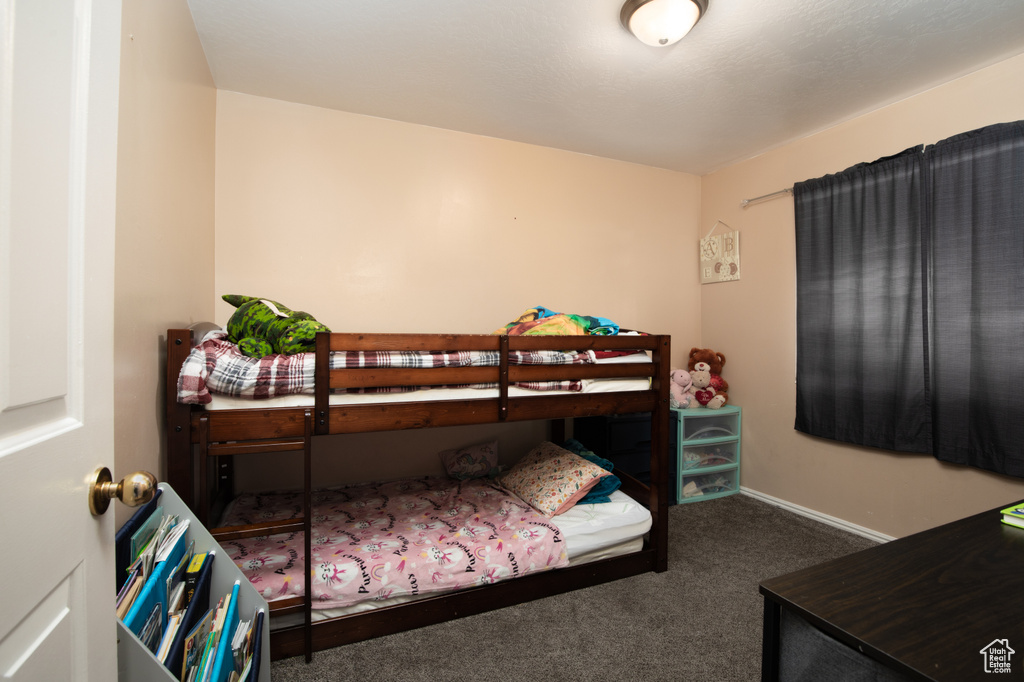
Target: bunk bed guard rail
[384,417]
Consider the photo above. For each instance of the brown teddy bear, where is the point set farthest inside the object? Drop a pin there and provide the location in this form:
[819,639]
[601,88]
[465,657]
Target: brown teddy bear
[715,362]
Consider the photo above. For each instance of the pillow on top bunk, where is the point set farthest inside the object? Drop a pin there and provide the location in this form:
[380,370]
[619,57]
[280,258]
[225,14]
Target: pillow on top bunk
[551,479]
[474,461]
[607,485]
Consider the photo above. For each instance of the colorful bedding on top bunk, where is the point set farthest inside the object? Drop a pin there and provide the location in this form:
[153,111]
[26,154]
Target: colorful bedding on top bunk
[541,321]
[216,366]
[402,538]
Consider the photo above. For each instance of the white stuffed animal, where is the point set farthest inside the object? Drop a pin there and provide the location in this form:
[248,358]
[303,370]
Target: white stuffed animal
[703,391]
[679,388]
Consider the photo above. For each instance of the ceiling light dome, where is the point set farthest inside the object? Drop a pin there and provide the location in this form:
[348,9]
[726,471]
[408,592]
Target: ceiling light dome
[661,22]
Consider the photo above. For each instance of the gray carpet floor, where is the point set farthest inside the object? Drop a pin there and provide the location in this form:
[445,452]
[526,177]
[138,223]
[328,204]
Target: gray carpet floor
[700,620]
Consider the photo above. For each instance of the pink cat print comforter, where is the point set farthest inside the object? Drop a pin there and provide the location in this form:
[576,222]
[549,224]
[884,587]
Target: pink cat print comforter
[383,540]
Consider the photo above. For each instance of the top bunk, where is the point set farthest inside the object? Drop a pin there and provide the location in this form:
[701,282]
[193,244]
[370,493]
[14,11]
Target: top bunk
[225,403]
[355,383]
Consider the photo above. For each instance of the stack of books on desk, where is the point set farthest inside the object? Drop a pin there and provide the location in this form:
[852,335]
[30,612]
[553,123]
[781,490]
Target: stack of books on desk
[1014,516]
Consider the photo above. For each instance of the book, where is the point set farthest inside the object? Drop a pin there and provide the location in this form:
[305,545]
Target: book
[193,614]
[154,590]
[133,573]
[147,529]
[192,575]
[147,559]
[176,599]
[153,628]
[244,675]
[206,662]
[123,537]
[169,537]
[134,576]
[1014,516]
[240,642]
[213,642]
[150,553]
[195,644]
[129,597]
[222,612]
[224,661]
[178,574]
[173,622]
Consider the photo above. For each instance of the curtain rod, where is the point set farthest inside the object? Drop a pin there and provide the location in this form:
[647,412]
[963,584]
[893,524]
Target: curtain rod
[788,190]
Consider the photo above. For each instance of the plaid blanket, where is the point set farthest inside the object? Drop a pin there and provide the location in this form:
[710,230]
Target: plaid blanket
[217,366]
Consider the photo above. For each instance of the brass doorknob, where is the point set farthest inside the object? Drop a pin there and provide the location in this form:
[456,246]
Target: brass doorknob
[134,489]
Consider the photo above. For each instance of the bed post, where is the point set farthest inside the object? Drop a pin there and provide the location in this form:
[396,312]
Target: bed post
[178,431]
[659,454]
[322,384]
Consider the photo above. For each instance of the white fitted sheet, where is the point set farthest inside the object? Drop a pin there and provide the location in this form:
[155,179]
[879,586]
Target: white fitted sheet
[223,402]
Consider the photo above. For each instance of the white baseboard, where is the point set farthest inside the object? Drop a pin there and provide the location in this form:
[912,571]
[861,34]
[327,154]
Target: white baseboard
[818,516]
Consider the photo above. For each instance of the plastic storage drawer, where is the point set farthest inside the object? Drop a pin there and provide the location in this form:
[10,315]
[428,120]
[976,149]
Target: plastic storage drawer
[702,425]
[705,486]
[708,455]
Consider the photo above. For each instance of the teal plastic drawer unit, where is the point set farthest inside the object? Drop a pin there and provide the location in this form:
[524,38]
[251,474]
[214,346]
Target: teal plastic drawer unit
[707,453]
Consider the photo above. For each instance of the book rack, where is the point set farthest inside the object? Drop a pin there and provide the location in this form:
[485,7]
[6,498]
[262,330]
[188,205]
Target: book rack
[135,663]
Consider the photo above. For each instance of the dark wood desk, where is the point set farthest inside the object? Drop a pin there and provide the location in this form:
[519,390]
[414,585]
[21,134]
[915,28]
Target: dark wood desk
[924,605]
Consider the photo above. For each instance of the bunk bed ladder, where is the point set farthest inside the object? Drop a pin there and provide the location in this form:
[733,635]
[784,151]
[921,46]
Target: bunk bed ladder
[209,450]
[307,531]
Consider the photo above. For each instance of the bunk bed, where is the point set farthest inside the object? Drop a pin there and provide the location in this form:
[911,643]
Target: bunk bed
[203,440]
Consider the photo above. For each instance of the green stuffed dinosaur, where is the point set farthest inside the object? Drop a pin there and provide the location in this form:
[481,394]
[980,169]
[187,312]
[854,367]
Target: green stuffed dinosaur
[262,327]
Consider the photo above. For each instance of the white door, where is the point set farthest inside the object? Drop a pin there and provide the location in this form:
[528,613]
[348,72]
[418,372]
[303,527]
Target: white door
[59,63]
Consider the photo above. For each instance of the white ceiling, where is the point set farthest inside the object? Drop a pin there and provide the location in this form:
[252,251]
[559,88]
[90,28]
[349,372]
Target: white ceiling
[752,75]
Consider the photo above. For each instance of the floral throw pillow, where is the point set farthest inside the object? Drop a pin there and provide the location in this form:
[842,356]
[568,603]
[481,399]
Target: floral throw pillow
[606,486]
[474,461]
[551,479]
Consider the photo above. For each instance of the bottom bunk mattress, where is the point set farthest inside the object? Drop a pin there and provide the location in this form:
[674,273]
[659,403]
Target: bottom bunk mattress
[381,544]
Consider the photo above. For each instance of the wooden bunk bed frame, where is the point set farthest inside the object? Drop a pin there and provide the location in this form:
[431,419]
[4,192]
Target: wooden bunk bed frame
[196,436]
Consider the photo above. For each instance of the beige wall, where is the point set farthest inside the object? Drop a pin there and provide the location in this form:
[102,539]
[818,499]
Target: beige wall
[375,225]
[164,236]
[753,321]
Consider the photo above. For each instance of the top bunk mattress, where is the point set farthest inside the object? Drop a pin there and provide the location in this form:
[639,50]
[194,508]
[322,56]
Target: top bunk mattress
[227,402]
[218,376]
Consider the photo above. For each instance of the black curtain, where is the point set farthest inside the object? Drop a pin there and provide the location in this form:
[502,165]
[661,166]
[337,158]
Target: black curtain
[860,360]
[910,301]
[976,253]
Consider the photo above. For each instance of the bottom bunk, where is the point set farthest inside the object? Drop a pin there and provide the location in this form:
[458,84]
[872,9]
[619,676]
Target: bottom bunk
[326,634]
[430,549]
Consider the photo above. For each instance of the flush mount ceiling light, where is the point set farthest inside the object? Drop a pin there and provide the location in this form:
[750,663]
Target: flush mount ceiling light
[661,22]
